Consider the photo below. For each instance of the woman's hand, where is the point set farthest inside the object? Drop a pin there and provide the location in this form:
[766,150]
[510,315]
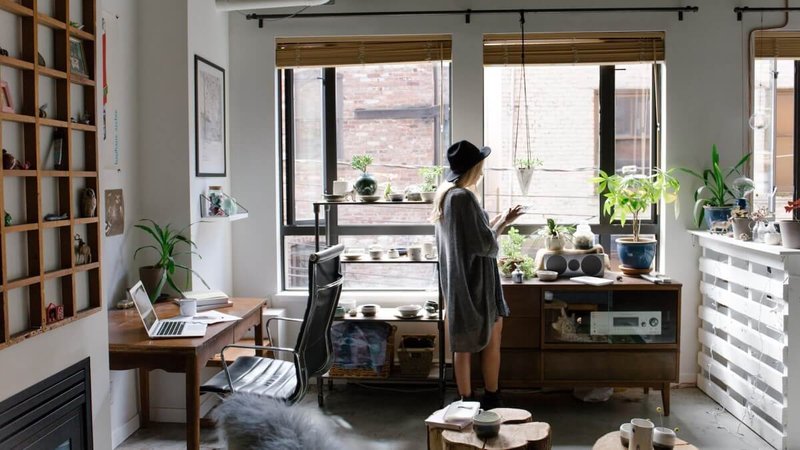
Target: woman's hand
[506,218]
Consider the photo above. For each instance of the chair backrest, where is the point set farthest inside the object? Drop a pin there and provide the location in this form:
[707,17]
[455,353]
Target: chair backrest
[324,287]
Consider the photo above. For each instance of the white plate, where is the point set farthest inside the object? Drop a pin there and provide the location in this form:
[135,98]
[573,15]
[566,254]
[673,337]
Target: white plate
[352,256]
[400,316]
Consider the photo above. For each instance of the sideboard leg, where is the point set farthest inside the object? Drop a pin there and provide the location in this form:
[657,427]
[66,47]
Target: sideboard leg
[665,398]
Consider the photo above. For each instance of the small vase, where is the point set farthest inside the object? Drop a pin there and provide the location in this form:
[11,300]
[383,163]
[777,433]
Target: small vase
[743,228]
[790,233]
[365,185]
[524,177]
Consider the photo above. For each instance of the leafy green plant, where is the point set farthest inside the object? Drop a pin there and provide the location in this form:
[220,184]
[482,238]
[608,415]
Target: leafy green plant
[715,191]
[552,229]
[511,244]
[361,162]
[166,242]
[633,194]
[528,163]
[430,177]
[511,248]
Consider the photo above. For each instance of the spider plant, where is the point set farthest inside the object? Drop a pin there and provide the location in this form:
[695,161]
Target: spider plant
[715,191]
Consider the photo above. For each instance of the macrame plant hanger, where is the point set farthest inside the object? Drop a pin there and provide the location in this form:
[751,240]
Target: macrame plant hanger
[523,167]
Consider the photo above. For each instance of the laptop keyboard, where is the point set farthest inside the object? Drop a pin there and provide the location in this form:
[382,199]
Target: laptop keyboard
[170,328]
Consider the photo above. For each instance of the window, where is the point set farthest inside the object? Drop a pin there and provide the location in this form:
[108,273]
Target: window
[400,114]
[565,104]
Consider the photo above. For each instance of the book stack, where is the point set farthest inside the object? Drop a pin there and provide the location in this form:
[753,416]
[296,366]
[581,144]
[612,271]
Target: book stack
[208,300]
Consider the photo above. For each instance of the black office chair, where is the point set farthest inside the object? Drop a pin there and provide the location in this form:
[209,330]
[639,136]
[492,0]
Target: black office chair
[313,353]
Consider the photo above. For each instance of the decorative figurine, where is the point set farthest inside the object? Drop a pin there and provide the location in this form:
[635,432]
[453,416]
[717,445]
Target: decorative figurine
[88,202]
[53,217]
[3,52]
[43,111]
[83,253]
[41,60]
[10,163]
[54,313]
[7,219]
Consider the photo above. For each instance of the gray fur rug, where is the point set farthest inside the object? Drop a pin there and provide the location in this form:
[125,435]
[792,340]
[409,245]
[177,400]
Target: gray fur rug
[249,422]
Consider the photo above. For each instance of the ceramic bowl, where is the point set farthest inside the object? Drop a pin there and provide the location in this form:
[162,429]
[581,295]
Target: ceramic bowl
[353,253]
[369,198]
[547,275]
[369,310]
[409,310]
[663,438]
[625,431]
[427,196]
[376,254]
[396,197]
[413,197]
[486,424]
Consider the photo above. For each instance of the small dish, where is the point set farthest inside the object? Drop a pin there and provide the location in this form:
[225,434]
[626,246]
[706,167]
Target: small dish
[369,198]
[547,275]
[352,256]
[403,316]
[427,196]
[334,197]
[396,197]
[409,310]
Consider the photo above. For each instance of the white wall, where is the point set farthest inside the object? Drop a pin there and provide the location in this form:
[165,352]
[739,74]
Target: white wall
[704,82]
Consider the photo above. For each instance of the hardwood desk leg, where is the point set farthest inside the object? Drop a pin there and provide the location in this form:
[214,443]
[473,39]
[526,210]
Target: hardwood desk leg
[192,405]
[665,398]
[144,397]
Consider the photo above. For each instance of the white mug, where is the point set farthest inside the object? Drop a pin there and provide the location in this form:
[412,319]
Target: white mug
[188,306]
[340,187]
[641,435]
[429,250]
[415,252]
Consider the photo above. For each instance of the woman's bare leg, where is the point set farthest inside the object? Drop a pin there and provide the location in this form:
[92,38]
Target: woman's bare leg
[490,358]
[461,361]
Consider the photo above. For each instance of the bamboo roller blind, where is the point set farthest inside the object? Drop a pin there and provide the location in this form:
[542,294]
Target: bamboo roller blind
[573,48]
[338,51]
[777,44]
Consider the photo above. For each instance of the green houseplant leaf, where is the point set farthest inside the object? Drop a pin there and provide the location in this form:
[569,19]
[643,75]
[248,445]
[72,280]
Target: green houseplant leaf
[715,190]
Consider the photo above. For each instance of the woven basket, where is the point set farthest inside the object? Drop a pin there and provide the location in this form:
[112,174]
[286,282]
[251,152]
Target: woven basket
[416,362]
[368,372]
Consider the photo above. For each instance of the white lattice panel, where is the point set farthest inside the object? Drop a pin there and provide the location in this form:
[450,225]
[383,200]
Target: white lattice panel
[746,334]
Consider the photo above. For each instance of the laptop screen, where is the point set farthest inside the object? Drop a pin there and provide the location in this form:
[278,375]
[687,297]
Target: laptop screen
[144,306]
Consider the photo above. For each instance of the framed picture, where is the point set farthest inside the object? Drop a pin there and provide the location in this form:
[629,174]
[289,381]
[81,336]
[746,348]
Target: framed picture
[209,106]
[6,102]
[77,58]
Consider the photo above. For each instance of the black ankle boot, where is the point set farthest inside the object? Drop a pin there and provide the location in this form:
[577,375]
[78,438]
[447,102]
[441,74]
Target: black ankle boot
[469,398]
[491,400]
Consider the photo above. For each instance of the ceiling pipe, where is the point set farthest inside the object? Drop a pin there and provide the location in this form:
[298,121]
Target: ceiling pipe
[241,5]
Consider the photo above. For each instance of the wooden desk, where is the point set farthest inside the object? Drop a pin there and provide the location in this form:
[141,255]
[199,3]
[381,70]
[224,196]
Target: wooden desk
[130,348]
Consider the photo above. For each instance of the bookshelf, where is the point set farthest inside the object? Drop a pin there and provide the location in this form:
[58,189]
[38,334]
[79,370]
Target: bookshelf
[38,257]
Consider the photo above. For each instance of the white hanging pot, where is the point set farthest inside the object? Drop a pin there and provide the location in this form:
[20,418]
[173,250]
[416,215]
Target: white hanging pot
[524,177]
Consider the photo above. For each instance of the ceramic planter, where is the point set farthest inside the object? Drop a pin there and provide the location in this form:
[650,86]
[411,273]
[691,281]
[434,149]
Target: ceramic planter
[790,233]
[554,243]
[743,228]
[524,177]
[716,214]
[365,185]
[636,255]
[153,280]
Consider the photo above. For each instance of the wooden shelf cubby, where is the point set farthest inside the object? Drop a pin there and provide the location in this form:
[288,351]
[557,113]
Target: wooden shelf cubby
[38,263]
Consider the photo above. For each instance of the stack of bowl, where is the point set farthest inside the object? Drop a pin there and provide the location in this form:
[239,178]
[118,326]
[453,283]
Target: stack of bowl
[409,311]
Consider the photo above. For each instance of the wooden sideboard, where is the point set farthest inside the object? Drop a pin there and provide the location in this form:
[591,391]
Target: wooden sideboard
[633,342]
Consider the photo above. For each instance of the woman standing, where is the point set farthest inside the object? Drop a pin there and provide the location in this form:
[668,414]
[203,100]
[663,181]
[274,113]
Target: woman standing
[467,245]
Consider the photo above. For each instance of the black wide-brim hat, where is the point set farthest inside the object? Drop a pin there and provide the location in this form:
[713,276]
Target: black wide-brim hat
[462,156]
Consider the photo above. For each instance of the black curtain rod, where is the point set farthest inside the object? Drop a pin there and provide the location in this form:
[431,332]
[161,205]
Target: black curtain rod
[746,9]
[467,13]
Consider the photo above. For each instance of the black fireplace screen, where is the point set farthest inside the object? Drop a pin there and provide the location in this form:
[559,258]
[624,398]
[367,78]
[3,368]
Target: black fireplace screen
[54,414]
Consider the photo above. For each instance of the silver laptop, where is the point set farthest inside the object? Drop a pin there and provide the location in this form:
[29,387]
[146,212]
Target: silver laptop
[160,329]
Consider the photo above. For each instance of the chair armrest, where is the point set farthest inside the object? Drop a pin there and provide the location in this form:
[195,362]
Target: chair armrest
[288,319]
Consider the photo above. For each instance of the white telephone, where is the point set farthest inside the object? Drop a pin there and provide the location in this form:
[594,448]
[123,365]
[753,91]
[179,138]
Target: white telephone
[461,411]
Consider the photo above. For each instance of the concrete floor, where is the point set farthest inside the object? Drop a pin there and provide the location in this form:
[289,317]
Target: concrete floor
[393,419]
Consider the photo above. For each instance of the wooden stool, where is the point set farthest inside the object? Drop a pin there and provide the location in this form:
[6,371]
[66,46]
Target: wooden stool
[611,442]
[517,428]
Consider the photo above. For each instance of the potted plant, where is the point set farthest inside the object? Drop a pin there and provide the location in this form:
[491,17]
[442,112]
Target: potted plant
[167,240]
[365,184]
[524,168]
[742,224]
[790,229]
[555,235]
[511,248]
[630,195]
[714,199]
[430,181]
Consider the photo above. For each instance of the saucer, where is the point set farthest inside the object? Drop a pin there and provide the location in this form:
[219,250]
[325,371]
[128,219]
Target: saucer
[369,198]
[334,197]
[400,316]
[352,256]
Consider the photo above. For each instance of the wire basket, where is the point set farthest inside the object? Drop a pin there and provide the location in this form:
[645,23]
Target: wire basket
[416,354]
[369,372]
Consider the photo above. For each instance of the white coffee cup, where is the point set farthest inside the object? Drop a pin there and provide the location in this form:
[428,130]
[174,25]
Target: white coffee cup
[340,187]
[188,306]
[429,250]
[415,252]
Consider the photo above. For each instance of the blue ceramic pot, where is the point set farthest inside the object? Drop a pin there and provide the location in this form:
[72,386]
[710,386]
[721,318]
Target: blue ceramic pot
[716,214]
[365,185]
[636,255]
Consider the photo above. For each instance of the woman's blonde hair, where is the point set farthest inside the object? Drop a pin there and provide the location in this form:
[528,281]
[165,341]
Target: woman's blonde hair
[467,181]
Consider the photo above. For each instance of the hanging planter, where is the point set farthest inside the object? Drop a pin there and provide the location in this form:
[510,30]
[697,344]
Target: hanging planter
[524,169]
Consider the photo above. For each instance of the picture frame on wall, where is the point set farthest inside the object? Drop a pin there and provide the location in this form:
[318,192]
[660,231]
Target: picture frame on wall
[77,58]
[6,101]
[210,120]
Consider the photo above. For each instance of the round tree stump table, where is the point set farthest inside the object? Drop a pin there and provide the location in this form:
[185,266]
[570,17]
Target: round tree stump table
[611,442]
[517,432]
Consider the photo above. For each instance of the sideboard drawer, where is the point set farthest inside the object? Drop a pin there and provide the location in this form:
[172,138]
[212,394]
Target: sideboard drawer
[518,368]
[604,365]
[520,332]
[522,300]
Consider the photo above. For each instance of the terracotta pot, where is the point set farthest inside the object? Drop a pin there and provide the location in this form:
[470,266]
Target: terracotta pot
[153,280]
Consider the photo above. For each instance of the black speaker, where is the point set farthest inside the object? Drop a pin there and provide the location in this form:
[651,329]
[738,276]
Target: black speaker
[592,265]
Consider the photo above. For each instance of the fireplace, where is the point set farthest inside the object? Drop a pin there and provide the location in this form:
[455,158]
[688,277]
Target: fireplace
[54,414]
